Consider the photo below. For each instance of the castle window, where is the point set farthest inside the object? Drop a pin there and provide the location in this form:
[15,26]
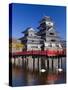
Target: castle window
[32,40]
[50,45]
[57,45]
[31,34]
[53,40]
[51,33]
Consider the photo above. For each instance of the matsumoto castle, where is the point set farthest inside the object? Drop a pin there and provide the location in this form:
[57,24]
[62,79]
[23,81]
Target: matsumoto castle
[40,45]
[46,38]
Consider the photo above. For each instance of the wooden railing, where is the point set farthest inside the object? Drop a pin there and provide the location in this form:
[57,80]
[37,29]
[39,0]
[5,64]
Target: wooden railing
[45,52]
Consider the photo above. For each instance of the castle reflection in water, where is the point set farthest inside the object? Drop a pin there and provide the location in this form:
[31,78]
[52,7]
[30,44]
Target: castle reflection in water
[37,73]
[36,63]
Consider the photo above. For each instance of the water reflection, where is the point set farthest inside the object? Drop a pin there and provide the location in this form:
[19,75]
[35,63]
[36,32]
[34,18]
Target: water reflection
[24,77]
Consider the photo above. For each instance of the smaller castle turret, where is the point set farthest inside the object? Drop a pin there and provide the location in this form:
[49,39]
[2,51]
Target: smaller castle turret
[31,40]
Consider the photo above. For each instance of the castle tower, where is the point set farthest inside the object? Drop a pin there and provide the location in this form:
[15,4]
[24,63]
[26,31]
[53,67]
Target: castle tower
[49,36]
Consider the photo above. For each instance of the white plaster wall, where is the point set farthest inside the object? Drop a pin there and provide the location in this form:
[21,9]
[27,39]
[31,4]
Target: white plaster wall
[33,47]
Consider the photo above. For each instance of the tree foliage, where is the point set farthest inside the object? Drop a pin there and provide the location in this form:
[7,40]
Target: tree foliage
[16,45]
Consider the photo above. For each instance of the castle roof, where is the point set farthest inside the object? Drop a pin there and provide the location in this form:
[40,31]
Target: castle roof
[46,18]
[29,29]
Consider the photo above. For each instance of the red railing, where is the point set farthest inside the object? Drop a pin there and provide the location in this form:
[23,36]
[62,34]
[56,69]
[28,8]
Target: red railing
[37,52]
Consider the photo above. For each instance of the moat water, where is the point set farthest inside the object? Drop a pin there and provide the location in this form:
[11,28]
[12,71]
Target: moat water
[24,77]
